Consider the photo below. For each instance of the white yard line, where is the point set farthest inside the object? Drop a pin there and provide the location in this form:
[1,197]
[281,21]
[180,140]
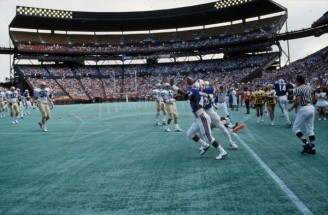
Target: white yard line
[298,203]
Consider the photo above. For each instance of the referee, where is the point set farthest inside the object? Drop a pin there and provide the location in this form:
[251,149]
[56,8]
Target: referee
[305,113]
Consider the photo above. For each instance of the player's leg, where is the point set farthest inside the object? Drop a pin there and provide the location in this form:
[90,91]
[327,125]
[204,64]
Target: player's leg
[192,134]
[17,112]
[284,105]
[164,113]
[204,123]
[157,112]
[309,126]
[299,120]
[175,117]
[170,117]
[216,120]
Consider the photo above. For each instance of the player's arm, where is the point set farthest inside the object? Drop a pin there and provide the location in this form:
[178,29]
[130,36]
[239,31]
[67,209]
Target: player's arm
[50,100]
[296,103]
[178,90]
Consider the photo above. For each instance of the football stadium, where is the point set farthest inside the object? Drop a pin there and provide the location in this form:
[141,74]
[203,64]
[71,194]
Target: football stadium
[187,110]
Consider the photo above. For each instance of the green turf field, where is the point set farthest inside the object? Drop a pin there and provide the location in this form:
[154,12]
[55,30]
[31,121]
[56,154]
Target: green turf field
[112,159]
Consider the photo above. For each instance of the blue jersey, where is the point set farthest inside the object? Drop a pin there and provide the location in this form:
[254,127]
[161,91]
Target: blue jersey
[282,88]
[195,99]
[27,96]
[208,102]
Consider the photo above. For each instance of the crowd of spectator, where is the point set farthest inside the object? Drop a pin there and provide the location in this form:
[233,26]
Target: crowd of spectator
[106,82]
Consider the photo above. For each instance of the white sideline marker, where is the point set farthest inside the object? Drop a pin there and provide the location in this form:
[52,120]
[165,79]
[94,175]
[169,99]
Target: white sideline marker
[299,204]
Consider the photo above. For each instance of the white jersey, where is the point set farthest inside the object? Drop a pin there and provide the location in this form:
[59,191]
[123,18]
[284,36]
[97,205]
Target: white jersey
[167,95]
[12,96]
[157,94]
[2,96]
[42,94]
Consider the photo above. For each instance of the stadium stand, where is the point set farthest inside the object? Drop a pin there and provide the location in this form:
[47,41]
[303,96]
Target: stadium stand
[63,55]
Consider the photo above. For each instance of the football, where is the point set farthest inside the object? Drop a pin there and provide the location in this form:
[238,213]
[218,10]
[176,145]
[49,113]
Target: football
[190,81]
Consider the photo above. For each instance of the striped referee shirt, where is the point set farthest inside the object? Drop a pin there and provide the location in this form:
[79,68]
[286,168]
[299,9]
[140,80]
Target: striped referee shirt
[304,91]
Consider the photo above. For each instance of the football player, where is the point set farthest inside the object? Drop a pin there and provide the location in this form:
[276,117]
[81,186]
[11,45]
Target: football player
[21,102]
[2,103]
[202,123]
[41,95]
[12,98]
[281,89]
[167,95]
[215,118]
[221,98]
[160,106]
[27,100]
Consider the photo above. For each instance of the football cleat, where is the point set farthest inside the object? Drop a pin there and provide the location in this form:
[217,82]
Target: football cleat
[289,124]
[221,155]
[178,130]
[40,124]
[306,148]
[233,145]
[203,150]
[167,129]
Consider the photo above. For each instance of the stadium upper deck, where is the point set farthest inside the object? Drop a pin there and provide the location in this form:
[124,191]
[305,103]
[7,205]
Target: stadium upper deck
[198,15]
[244,16]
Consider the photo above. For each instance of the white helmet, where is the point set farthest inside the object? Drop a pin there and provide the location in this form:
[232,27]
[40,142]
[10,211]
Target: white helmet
[281,81]
[206,83]
[158,85]
[196,85]
[201,81]
[167,85]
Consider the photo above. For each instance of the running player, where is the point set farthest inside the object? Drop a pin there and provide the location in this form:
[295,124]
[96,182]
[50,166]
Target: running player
[281,89]
[215,118]
[157,95]
[21,102]
[27,100]
[305,113]
[171,109]
[12,99]
[202,123]
[258,96]
[42,96]
[222,105]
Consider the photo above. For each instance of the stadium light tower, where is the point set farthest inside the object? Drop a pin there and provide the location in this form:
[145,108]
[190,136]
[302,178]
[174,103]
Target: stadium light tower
[45,12]
[229,3]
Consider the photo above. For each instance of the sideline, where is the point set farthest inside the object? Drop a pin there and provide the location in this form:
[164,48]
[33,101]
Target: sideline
[298,203]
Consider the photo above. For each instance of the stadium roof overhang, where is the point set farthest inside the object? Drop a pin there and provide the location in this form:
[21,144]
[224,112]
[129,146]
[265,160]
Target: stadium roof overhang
[198,15]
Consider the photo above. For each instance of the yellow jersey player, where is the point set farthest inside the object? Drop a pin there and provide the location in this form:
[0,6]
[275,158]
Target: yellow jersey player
[258,96]
[170,106]
[41,95]
[12,99]
[157,95]
[271,101]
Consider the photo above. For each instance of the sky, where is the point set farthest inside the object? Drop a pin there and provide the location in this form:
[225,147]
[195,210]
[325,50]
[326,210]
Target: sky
[301,14]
